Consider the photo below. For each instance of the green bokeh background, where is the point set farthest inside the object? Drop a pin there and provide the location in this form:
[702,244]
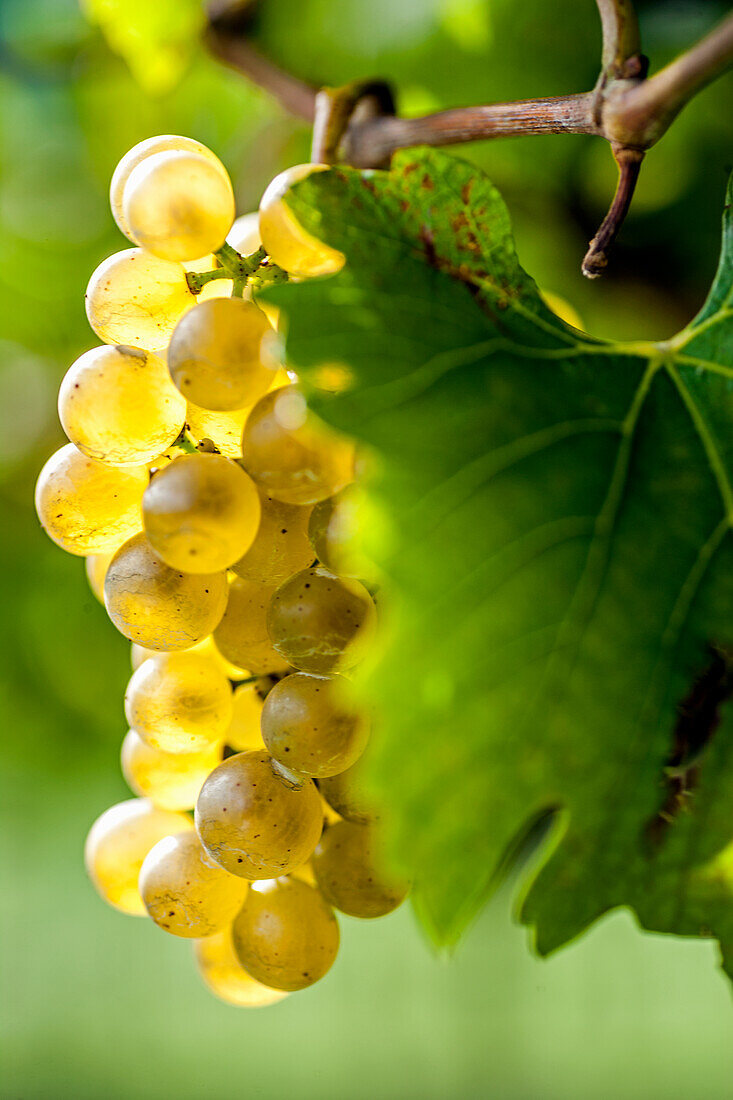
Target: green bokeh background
[99,1005]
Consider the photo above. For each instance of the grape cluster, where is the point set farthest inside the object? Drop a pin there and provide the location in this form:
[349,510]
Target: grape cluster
[214,512]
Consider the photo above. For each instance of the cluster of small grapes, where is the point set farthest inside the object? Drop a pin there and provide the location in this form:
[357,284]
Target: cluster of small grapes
[212,508]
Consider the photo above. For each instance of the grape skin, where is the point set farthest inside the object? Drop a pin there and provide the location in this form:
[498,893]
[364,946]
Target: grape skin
[319,622]
[170,780]
[158,607]
[349,870]
[185,892]
[201,513]
[345,794]
[223,429]
[244,733]
[178,205]
[159,144]
[281,546]
[285,935]
[117,844]
[244,235]
[224,975]
[214,354]
[254,822]
[117,404]
[290,453]
[96,566]
[179,702]
[87,507]
[241,636]
[137,299]
[288,244]
[206,648]
[307,727]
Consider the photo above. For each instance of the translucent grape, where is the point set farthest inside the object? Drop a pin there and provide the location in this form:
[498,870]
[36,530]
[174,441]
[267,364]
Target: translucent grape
[281,546]
[201,513]
[136,298]
[157,606]
[159,144]
[222,972]
[242,636]
[253,821]
[118,405]
[291,454]
[244,235]
[178,205]
[96,566]
[288,244]
[117,844]
[185,892]
[179,702]
[206,648]
[350,871]
[319,622]
[171,780]
[223,429]
[333,529]
[244,729]
[345,794]
[308,727]
[87,507]
[285,935]
[214,354]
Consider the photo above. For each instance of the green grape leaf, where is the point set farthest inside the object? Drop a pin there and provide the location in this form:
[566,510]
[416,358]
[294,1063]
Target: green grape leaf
[156,38]
[552,521]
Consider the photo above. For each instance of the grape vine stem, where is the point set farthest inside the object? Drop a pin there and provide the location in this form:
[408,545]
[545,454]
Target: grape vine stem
[357,124]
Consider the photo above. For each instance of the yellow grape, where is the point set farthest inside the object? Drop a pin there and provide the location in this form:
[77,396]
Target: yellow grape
[178,205]
[222,972]
[281,546]
[244,734]
[214,354]
[224,429]
[321,623]
[350,871]
[285,935]
[288,244]
[241,636]
[161,143]
[159,607]
[117,844]
[87,507]
[185,892]
[290,453]
[179,702]
[206,648]
[201,513]
[96,566]
[171,780]
[345,794]
[255,822]
[309,729]
[333,528]
[136,298]
[118,405]
[244,235]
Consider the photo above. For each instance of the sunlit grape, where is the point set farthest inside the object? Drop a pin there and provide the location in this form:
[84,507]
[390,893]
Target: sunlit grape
[224,429]
[288,244]
[117,404]
[205,648]
[149,147]
[291,454]
[178,205]
[96,566]
[171,780]
[244,733]
[201,513]
[351,871]
[159,607]
[214,354]
[117,844]
[321,623]
[87,507]
[308,727]
[185,892]
[281,546]
[223,973]
[242,635]
[255,822]
[136,298]
[179,702]
[285,935]
[244,235]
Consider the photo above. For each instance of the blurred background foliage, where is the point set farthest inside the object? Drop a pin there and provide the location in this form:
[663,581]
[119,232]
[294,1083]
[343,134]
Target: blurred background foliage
[96,1004]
